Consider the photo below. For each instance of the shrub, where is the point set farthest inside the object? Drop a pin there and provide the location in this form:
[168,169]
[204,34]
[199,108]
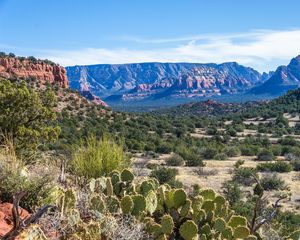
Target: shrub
[288,141]
[164,175]
[221,156]
[95,158]
[190,155]
[203,172]
[290,157]
[208,152]
[231,131]
[175,160]
[276,150]
[249,150]
[272,182]
[239,163]
[244,175]
[164,148]
[296,165]
[265,155]
[288,222]
[232,151]
[278,166]
[193,161]
[211,131]
[232,192]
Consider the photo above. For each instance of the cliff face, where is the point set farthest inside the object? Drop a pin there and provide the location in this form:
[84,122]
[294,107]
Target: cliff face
[44,72]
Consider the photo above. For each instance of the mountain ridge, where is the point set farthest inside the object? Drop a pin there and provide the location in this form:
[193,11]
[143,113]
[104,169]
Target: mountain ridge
[284,78]
[138,81]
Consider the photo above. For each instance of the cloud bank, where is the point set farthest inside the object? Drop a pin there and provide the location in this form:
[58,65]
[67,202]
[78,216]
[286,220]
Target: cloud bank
[261,49]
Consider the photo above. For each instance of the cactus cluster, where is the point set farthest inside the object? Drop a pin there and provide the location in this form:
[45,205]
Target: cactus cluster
[166,213]
[170,213]
[205,216]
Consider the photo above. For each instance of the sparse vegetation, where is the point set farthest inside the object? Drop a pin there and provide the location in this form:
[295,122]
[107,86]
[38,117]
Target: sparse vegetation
[97,194]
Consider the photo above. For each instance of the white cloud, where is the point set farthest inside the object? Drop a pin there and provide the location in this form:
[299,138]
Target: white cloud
[262,49]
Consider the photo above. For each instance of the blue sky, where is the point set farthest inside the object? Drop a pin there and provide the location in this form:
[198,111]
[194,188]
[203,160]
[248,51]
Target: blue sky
[261,34]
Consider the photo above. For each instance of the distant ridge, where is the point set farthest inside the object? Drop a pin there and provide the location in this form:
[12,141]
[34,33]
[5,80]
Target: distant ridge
[140,81]
[285,78]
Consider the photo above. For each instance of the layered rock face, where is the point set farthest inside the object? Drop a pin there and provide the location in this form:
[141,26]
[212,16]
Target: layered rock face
[144,80]
[15,68]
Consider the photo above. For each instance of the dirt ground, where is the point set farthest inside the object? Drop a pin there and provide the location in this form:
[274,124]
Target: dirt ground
[216,172]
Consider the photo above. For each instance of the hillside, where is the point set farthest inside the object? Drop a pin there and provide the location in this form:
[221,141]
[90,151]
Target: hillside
[142,81]
[40,74]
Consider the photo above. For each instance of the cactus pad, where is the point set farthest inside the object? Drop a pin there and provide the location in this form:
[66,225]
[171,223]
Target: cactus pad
[167,224]
[139,204]
[127,176]
[189,230]
[208,194]
[151,202]
[127,205]
[235,221]
[179,197]
[241,232]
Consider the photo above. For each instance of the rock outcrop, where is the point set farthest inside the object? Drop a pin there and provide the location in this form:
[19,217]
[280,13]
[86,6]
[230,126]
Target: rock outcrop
[42,71]
[23,68]
[6,218]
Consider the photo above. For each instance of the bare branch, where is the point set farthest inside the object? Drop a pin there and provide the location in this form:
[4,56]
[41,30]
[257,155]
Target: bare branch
[272,215]
[21,224]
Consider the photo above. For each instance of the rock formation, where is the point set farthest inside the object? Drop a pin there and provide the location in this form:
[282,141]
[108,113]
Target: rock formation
[23,68]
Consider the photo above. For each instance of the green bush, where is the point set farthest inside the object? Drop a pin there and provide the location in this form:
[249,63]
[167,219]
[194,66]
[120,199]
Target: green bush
[232,151]
[249,150]
[276,150]
[194,161]
[95,158]
[278,166]
[164,148]
[164,175]
[296,165]
[211,131]
[231,131]
[232,192]
[175,160]
[265,155]
[209,152]
[244,175]
[272,182]
[221,156]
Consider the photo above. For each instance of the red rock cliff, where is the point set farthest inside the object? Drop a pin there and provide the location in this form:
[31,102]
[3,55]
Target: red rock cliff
[13,67]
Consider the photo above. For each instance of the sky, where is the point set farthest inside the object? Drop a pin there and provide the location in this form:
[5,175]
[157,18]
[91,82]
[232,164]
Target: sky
[262,34]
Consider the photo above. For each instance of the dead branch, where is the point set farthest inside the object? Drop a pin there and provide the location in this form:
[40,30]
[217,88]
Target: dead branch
[21,224]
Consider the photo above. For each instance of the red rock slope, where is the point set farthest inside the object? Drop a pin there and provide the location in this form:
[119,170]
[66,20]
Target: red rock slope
[11,67]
